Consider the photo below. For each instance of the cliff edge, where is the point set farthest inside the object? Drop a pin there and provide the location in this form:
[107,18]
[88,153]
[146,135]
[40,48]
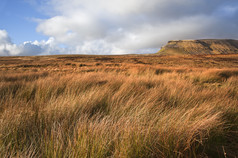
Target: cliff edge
[200,47]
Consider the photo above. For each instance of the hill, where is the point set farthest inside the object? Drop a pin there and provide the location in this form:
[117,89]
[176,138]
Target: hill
[201,47]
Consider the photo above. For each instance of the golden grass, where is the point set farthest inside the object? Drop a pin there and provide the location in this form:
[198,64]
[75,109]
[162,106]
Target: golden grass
[109,107]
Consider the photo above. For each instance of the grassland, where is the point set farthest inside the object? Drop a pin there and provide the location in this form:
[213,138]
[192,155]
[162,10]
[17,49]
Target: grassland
[119,106]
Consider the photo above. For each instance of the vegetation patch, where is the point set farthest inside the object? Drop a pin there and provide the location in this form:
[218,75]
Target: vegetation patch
[119,110]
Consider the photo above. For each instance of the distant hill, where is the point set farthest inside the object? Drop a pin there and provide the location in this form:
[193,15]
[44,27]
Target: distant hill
[200,47]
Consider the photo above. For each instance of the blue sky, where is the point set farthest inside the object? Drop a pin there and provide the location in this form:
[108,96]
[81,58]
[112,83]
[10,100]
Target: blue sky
[17,18]
[36,27]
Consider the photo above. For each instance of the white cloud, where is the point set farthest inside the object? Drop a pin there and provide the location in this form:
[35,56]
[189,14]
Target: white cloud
[6,46]
[27,48]
[123,27]
[4,38]
[133,26]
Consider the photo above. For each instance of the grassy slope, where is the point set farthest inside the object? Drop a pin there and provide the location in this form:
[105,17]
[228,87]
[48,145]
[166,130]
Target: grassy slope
[119,106]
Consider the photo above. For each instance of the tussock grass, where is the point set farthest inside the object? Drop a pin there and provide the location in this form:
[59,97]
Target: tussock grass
[136,111]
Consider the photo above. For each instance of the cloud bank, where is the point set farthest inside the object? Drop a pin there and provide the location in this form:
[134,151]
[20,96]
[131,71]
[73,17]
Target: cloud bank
[7,48]
[132,26]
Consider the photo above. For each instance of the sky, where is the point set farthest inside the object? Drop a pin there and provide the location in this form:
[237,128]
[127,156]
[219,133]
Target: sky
[48,27]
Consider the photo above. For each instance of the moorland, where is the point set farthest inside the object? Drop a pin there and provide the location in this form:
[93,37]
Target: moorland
[119,106]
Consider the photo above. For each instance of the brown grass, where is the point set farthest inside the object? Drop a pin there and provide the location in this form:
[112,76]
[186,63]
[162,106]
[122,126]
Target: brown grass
[116,106]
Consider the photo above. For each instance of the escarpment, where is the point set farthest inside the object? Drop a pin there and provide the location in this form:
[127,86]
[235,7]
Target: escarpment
[201,47]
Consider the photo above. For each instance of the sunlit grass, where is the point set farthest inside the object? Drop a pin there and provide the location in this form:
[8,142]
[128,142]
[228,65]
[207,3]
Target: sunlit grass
[127,111]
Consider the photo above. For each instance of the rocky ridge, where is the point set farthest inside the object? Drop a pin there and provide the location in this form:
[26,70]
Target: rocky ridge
[201,47]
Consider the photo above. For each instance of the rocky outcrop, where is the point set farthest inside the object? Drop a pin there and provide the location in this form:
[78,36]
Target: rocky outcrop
[200,47]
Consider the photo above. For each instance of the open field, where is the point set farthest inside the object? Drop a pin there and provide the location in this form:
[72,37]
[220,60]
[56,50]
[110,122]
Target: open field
[119,106]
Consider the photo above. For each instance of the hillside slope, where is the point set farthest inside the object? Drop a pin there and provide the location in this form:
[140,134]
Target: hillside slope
[200,47]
